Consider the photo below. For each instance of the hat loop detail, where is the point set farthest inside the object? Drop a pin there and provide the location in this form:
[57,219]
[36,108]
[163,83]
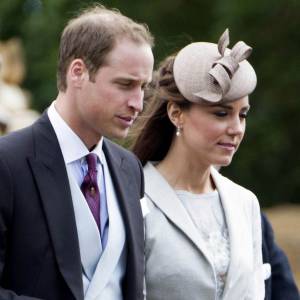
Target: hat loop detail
[224,68]
[210,72]
[223,42]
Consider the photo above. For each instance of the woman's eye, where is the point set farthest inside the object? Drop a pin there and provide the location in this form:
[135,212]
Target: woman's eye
[221,113]
[243,115]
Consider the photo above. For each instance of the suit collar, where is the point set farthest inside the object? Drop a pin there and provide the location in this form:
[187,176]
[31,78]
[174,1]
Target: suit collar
[123,169]
[51,177]
[71,145]
[118,167]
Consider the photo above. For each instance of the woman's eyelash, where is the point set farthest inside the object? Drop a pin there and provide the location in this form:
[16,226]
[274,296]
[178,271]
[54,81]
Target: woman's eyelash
[221,113]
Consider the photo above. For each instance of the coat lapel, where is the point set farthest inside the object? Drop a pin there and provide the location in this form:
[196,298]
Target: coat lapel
[52,181]
[232,205]
[164,197]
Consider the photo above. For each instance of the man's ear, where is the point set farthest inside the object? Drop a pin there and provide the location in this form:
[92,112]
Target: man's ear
[77,73]
[175,114]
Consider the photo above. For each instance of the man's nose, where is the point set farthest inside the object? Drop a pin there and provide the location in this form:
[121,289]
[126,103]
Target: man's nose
[136,100]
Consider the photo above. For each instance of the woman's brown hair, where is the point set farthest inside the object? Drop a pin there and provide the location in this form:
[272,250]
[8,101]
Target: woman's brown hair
[153,131]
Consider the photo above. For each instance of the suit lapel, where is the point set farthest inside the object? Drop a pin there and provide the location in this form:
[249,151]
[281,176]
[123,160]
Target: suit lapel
[126,192]
[121,169]
[164,197]
[52,181]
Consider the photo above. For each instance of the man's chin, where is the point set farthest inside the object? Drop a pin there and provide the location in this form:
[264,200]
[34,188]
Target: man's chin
[118,135]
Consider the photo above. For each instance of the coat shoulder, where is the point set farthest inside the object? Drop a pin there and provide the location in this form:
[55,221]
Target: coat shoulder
[233,185]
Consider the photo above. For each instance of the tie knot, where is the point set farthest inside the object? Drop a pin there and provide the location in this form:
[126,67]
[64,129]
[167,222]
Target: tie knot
[91,160]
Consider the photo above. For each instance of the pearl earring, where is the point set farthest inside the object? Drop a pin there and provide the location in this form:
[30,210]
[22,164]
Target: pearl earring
[178,131]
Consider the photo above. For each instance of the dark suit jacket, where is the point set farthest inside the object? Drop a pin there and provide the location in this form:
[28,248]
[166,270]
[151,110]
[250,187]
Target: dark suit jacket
[39,248]
[281,285]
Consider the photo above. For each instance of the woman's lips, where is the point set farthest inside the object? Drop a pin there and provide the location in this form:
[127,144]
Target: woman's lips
[228,146]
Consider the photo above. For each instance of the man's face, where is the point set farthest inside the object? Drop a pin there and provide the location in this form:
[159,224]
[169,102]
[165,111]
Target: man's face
[108,105]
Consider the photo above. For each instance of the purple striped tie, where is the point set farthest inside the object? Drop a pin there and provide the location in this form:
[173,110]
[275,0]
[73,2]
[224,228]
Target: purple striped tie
[89,187]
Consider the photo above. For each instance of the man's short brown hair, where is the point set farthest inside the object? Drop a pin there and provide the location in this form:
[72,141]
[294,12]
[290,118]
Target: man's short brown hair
[92,35]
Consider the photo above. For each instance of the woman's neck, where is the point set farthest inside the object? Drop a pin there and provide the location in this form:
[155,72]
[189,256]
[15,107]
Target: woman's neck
[184,172]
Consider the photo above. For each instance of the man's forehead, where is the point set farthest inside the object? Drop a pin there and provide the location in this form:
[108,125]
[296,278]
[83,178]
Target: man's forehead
[127,47]
[131,61]
[131,77]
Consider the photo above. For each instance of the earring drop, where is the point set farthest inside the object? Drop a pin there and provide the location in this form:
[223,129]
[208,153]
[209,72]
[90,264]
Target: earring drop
[178,131]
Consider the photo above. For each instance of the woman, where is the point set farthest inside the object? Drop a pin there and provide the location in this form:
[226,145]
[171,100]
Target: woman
[202,231]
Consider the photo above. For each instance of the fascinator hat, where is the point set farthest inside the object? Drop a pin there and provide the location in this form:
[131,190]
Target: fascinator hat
[212,72]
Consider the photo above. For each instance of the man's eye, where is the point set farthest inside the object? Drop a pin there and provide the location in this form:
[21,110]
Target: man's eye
[124,83]
[145,86]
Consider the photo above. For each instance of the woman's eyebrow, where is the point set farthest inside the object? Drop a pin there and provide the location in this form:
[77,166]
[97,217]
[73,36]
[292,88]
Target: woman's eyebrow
[226,106]
[220,105]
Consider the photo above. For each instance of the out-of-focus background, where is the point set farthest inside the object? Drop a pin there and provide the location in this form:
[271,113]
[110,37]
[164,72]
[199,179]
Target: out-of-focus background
[285,222]
[268,161]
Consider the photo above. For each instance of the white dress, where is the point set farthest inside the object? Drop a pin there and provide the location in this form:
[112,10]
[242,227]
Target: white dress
[207,214]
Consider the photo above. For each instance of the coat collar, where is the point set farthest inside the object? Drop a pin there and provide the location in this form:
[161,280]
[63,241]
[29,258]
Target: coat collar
[231,201]
[164,197]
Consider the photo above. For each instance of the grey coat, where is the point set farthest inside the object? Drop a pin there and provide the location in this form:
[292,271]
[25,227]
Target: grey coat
[178,264]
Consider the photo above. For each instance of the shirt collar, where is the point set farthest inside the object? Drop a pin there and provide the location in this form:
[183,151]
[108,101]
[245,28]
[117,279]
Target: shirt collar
[72,147]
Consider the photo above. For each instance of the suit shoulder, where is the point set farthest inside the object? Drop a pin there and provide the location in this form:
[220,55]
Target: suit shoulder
[16,141]
[120,150]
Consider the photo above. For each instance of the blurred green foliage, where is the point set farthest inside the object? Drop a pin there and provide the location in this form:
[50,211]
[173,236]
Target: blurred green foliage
[268,160]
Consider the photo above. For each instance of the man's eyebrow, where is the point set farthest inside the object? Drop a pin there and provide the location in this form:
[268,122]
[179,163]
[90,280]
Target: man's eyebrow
[128,77]
[132,79]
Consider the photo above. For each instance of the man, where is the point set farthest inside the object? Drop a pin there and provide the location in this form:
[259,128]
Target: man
[281,284]
[70,221]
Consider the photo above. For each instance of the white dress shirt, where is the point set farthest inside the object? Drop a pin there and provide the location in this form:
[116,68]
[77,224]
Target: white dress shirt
[74,152]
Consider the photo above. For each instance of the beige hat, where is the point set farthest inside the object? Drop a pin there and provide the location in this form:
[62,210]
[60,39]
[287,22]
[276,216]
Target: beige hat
[211,72]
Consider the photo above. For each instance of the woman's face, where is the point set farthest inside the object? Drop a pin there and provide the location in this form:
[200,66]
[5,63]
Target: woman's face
[213,132]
